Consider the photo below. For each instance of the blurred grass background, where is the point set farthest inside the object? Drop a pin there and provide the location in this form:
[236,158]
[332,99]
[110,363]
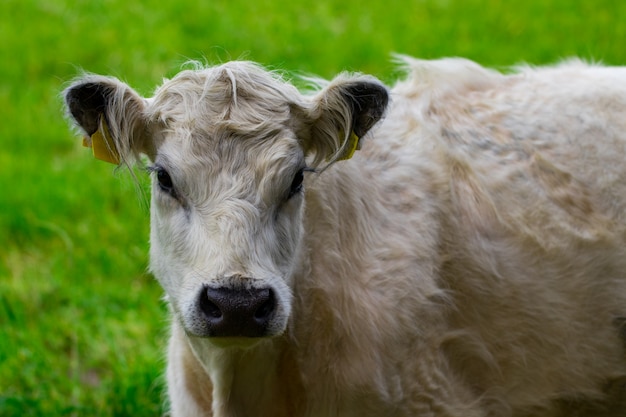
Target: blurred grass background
[82,327]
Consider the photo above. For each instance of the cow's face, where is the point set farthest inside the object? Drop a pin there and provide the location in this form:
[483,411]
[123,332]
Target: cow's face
[227,197]
[230,147]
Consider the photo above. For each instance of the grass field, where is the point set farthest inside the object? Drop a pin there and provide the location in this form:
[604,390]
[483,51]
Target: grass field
[82,327]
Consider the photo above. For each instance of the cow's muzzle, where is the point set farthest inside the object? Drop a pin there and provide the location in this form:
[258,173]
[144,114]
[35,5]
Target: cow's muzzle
[237,312]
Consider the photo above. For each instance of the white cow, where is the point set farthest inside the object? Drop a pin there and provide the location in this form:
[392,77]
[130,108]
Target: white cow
[469,260]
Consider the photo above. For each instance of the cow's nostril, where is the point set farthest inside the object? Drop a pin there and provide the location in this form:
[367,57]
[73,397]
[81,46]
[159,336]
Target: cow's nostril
[209,308]
[266,309]
[232,312]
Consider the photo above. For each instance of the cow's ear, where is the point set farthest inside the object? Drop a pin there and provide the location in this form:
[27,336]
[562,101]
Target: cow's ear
[111,116]
[341,114]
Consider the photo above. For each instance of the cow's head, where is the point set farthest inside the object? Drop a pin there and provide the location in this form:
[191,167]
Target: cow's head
[229,147]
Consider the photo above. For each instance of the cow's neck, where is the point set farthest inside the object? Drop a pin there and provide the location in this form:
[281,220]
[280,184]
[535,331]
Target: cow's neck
[249,379]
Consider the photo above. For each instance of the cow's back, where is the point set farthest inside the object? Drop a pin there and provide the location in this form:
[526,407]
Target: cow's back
[534,226]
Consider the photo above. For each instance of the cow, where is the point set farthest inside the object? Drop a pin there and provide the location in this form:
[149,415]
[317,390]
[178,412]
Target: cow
[451,246]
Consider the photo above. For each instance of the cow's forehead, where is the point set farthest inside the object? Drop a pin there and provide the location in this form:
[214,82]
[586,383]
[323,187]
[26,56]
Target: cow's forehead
[238,94]
[210,113]
[229,152]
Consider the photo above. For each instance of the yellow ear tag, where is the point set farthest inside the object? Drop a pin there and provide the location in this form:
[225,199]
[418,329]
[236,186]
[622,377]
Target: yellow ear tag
[102,145]
[351,147]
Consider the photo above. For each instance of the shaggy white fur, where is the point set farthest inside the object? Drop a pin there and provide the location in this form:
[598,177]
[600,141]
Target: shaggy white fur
[469,260]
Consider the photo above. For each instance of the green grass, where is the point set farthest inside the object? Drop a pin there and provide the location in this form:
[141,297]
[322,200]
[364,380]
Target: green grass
[82,327]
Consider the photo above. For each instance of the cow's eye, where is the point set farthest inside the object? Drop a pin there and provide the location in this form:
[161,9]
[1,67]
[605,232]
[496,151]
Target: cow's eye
[296,184]
[164,180]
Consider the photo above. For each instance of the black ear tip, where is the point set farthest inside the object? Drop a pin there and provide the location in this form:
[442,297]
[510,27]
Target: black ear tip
[86,102]
[369,101]
[380,97]
[90,95]
[370,90]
